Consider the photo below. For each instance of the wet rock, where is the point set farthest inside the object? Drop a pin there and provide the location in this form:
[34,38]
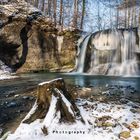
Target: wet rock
[127,126]
[85,105]
[134,124]
[45,130]
[124,101]
[4,117]
[18,111]
[2,103]
[108,124]
[101,99]
[25,97]
[136,138]
[104,122]
[86,89]
[107,85]
[106,92]
[125,134]
[133,105]
[133,91]
[31,98]
[12,104]
[129,87]
[131,126]
[133,110]
[137,110]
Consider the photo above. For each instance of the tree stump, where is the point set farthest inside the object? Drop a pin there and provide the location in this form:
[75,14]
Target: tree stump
[52,97]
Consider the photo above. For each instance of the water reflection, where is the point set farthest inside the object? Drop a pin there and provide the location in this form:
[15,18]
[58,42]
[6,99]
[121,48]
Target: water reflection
[28,80]
[90,80]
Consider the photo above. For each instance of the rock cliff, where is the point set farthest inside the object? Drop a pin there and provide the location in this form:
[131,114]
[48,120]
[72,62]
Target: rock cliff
[30,42]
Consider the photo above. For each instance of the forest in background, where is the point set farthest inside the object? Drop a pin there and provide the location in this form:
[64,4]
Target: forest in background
[91,15]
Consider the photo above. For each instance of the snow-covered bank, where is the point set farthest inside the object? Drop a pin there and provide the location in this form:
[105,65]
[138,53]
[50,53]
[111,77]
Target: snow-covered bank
[5,75]
[104,121]
[5,72]
[70,113]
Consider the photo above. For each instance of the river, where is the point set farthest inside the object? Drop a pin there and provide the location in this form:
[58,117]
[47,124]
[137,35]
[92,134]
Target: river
[32,79]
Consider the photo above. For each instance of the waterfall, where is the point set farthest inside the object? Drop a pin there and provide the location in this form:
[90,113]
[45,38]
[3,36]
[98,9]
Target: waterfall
[113,52]
[60,42]
[82,53]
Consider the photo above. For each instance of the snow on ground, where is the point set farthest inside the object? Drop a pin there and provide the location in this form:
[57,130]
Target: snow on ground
[104,121]
[109,120]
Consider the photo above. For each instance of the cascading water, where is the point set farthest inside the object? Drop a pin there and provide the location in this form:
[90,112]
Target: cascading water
[5,71]
[60,42]
[82,53]
[4,68]
[113,52]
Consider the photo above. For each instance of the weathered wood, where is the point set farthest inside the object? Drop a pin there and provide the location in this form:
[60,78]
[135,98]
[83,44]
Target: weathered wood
[65,102]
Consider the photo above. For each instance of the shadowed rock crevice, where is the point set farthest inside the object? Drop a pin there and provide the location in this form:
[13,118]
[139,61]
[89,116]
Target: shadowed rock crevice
[8,52]
[48,45]
[24,41]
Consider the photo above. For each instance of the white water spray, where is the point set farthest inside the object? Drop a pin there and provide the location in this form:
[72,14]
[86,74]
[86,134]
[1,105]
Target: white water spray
[60,42]
[82,54]
[112,53]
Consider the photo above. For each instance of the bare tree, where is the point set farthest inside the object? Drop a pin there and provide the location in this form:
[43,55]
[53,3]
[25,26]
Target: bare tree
[117,16]
[61,14]
[54,11]
[75,15]
[49,9]
[105,14]
[45,7]
[83,14]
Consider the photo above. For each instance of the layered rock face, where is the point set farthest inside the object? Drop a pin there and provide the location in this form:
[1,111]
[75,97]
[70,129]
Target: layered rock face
[30,42]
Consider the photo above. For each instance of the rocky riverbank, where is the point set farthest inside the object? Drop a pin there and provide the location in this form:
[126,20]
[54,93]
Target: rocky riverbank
[98,105]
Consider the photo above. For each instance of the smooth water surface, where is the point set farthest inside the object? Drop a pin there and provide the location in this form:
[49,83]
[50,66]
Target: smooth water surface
[26,81]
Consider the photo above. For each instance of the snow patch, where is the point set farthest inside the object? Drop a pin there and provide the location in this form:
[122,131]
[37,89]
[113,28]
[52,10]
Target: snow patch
[51,113]
[115,114]
[47,82]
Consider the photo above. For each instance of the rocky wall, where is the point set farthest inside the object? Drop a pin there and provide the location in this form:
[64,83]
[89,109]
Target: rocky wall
[30,42]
